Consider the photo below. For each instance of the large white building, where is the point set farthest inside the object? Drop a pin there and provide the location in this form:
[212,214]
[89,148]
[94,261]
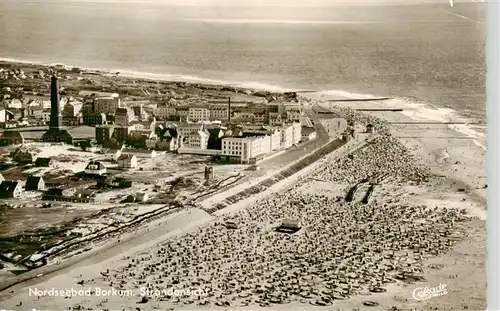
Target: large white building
[246,148]
[297,132]
[290,134]
[199,114]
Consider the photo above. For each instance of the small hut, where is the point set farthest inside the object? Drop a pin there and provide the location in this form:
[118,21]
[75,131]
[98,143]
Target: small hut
[289,226]
[34,183]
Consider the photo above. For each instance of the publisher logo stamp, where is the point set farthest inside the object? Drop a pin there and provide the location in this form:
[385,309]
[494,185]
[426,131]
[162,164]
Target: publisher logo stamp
[425,293]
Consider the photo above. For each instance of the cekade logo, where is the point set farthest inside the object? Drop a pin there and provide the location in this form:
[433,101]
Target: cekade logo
[425,293]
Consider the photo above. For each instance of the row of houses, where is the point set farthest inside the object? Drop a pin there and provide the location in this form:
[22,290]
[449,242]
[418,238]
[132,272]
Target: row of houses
[248,112]
[34,111]
[243,141]
[14,189]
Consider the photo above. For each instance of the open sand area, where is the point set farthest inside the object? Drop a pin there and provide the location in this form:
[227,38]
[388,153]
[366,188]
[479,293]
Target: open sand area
[390,217]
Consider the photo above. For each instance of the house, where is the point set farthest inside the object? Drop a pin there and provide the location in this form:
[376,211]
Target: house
[168,144]
[95,168]
[115,153]
[308,133]
[123,116]
[58,136]
[11,124]
[34,183]
[127,161]
[43,162]
[141,197]
[198,114]
[94,118]
[198,140]
[11,138]
[10,189]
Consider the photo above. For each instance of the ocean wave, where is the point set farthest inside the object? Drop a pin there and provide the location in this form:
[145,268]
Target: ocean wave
[421,112]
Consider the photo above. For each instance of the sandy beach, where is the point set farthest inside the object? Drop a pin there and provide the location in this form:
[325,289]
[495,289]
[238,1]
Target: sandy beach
[423,224]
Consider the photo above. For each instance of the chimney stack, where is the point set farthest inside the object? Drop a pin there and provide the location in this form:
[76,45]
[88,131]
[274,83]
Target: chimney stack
[229,110]
[55,108]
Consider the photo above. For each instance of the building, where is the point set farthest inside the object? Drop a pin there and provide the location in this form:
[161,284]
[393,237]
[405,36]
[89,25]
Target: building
[246,148]
[293,113]
[144,125]
[165,111]
[243,116]
[56,133]
[15,104]
[34,183]
[308,133]
[107,104]
[120,134]
[127,161]
[71,112]
[87,107]
[123,117]
[297,132]
[141,197]
[141,138]
[169,140]
[103,133]
[198,140]
[8,138]
[219,112]
[94,118]
[4,117]
[291,134]
[95,168]
[10,189]
[198,114]
[185,128]
[273,133]
[182,112]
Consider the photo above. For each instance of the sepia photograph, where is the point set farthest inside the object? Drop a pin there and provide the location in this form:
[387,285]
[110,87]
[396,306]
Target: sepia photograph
[279,155]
